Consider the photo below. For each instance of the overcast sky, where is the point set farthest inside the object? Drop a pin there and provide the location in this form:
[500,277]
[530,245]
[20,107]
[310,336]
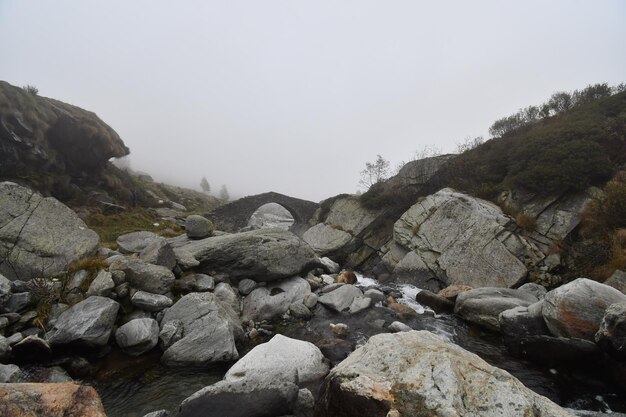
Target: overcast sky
[295,96]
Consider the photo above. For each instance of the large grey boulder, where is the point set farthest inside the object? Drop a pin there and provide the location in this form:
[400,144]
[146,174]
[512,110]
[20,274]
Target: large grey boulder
[576,309]
[484,305]
[261,255]
[419,374]
[341,298]
[458,239]
[39,236]
[87,323]
[143,276]
[327,240]
[137,336]
[281,356]
[611,335]
[210,329]
[135,242]
[267,303]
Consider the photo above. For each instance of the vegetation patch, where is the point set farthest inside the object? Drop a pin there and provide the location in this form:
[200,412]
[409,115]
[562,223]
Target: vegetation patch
[110,227]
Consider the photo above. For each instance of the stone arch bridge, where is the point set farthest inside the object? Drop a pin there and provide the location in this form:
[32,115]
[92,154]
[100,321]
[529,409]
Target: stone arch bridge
[234,216]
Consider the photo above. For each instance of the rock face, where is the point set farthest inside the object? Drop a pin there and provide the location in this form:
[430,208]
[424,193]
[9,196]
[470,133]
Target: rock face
[50,400]
[87,323]
[261,255]
[452,238]
[281,356]
[576,309]
[418,374]
[39,236]
[484,305]
[210,328]
[137,336]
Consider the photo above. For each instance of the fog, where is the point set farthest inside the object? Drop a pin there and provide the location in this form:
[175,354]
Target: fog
[295,96]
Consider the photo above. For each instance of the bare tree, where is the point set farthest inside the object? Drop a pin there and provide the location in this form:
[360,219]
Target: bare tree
[374,172]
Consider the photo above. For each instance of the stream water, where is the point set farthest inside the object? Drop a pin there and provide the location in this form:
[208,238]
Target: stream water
[132,387]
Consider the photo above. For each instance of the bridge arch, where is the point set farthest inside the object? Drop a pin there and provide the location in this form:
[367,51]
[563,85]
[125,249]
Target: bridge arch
[234,216]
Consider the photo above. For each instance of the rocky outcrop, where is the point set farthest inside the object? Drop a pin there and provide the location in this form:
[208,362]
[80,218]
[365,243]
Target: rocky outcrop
[39,236]
[576,309]
[209,331]
[88,323]
[50,400]
[261,255]
[51,138]
[452,238]
[418,374]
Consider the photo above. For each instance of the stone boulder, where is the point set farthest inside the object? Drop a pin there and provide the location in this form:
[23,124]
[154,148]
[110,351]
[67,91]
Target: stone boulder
[50,400]
[453,238]
[281,356]
[5,291]
[341,298]
[262,383]
[198,227]
[159,252]
[87,323]
[137,336]
[267,303]
[143,276]
[419,374]
[617,280]
[136,242]
[483,306]
[274,397]
[327,240]
[150,302]
[576,309]
[101,285]
[39,236]
[261,255]
[210,329]
[611,335]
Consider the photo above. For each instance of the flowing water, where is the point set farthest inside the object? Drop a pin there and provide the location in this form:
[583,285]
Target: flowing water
[132,387]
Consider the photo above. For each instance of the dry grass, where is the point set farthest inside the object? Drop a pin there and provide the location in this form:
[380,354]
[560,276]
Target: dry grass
[526,223]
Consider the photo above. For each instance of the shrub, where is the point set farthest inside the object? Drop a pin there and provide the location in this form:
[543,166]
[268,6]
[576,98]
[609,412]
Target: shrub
[31,89]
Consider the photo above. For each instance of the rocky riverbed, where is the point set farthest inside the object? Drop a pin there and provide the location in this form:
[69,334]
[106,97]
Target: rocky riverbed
[260,323]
